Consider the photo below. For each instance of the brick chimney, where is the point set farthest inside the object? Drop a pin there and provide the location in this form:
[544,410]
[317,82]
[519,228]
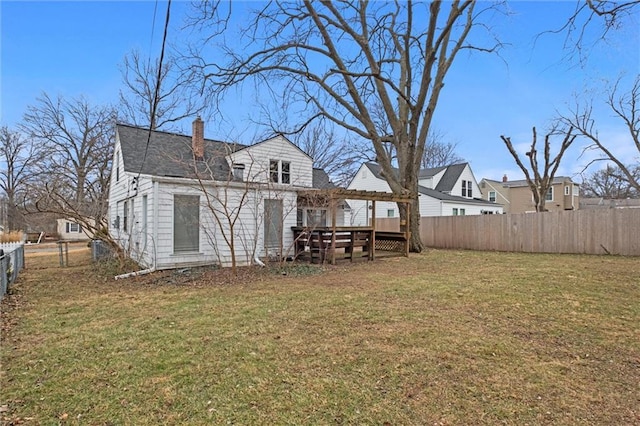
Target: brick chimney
[504,178]
[197,139]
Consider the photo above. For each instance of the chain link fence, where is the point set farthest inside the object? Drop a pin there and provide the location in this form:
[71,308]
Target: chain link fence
[11,263]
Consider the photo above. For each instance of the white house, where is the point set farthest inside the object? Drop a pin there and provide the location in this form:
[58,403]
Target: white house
[443,191]
[70,230]
[178,200]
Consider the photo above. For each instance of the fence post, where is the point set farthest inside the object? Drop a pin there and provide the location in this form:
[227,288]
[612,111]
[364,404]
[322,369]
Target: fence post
[3,275]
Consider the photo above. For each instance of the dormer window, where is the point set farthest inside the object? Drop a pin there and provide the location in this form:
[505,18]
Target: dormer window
[466,189]
[238,171]
[280,171]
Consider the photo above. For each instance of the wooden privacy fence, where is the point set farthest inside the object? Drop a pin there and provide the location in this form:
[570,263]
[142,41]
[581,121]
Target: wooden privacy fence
[612,231]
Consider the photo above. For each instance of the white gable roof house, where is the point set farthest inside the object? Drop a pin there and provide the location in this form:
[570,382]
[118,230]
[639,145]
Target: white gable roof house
[179,201]
[443,191]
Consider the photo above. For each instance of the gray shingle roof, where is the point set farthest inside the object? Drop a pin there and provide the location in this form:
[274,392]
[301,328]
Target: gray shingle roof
[171,155]
[321,179]
[450,177]
[523,182]
[446,183]
[430,172]
[454,198]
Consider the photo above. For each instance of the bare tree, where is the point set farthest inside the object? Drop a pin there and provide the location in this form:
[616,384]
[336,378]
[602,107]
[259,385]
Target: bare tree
[335,154]
[19,158]
[609,15]
[178,96]
[610,183]
[77,140]
[625,107]
[540,180]
[438,152]
[335,59]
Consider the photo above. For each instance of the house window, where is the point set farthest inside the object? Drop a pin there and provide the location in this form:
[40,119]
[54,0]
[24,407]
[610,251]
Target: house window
[316,218]
[549,194]
[117,166]
[273,170]
[455,211]
[466,189]
[132,216]
[144,216]
[280,171]
[492,196]
[391,213]
[567,190]
[125,217]
[238,171]
[576,190]
[462,212]
[273,223]
[73,227]
[186,223]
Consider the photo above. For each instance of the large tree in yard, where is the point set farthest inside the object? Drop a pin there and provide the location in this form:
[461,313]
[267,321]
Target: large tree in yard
[18,158]
[75,139]
[337,59]
[610,183]
[625,107]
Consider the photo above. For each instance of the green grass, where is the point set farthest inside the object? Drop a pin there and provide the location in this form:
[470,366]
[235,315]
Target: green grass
[445,337]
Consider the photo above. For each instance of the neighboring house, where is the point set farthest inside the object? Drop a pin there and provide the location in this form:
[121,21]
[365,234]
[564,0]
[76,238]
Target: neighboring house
[516,195]
[68,230]
[443,191]
[178,200]
[611,203]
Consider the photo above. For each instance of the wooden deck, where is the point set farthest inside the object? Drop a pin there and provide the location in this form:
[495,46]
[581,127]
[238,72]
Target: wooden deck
[328,244]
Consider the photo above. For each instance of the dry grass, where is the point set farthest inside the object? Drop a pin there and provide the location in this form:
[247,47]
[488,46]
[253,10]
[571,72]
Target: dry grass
[445,338]
[11,237]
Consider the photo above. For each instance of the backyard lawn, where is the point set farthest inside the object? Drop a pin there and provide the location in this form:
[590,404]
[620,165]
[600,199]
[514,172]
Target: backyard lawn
[440,338]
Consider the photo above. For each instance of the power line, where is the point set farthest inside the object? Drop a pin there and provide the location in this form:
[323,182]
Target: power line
[156,95]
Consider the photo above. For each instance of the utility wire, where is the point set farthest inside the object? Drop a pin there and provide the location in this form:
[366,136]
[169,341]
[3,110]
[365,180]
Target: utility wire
[156,95]
[153,30]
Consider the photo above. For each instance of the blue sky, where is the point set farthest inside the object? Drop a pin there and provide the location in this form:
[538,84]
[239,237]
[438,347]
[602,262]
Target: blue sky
[76,48]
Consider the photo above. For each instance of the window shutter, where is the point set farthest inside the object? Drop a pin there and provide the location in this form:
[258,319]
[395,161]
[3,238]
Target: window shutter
[67,227]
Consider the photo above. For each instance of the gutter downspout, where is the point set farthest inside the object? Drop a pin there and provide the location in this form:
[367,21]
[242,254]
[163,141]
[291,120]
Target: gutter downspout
[136,273]
[156,202]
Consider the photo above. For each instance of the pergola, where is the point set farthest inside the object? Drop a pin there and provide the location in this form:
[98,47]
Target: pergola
[331,198]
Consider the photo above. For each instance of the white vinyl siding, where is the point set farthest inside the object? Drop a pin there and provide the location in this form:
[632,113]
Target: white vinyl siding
[294,165]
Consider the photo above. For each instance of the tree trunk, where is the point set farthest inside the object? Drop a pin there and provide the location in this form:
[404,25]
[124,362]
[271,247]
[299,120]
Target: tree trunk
[415,242]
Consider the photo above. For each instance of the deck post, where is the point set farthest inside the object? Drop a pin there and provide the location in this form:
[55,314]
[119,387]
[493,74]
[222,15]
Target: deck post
[407,231]
[353,244]
[334,216]
[372,249]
